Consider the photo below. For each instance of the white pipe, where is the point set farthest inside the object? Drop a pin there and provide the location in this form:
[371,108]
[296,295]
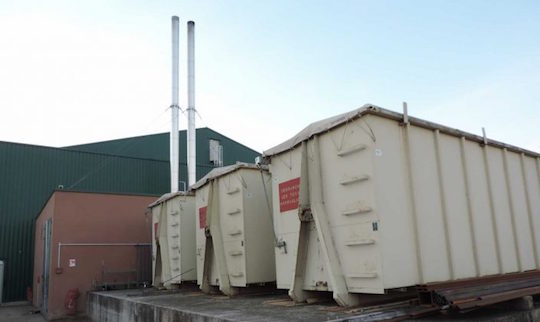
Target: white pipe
[95,244]
[405,114]
[191,132]
[174,106]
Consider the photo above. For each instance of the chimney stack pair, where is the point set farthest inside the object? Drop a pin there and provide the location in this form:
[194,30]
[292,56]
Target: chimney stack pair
[174,141]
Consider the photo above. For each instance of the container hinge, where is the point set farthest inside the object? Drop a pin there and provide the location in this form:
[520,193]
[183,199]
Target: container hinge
[234,212]
[235,252]
[235,232]
[347,181]
[356,148]
[233,191]
[363,275]
[282,244]
[359,210]
[360,242]
[305,214]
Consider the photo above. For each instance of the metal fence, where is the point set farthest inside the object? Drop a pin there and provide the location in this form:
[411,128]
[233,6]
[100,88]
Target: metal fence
[131,277]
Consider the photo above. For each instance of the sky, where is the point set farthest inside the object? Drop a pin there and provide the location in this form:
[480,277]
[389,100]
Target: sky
[74,72]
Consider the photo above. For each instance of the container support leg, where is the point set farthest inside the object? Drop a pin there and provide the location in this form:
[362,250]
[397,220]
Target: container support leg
[339,284]
[296,292]
[207,262]
[218,247]
[166,273]
[208,247]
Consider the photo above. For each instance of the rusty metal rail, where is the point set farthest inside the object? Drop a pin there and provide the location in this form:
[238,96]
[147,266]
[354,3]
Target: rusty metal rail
[468,294]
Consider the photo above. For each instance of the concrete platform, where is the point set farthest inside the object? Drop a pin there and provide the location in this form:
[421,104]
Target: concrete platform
[189,304]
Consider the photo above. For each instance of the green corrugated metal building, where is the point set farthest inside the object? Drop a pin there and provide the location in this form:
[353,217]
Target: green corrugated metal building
[139,165]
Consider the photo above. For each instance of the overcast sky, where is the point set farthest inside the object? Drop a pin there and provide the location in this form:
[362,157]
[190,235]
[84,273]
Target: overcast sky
[82,71]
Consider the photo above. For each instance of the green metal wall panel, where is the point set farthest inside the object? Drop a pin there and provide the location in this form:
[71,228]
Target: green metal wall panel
[156,146]
[29,174]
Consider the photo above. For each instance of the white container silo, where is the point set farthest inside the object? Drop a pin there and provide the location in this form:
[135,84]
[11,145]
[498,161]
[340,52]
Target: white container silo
[368,201]
[173,239]
[235,238]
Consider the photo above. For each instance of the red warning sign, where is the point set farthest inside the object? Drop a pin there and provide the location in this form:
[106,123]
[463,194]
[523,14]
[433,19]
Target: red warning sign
[288,194]
[202,217]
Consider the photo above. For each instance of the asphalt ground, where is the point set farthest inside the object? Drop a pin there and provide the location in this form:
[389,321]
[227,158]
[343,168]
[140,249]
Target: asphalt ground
[24,312]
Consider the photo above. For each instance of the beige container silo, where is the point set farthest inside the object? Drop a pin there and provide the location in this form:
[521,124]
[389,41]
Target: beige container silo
[173,239]
[235,238]
[366,202]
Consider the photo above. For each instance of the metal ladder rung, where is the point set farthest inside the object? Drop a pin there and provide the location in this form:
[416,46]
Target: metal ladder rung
[175,258]
[174,247]
[354,179]
[355,148]
[174,213]
[175,236]
[233,191]
[234,212]
[359,210]
[238,274]
[363,275]
[360,242]
[235,232]
[174,224]
[236,252]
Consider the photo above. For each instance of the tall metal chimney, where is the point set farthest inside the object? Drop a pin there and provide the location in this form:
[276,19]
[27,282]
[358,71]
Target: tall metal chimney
[174,106]
[191,141]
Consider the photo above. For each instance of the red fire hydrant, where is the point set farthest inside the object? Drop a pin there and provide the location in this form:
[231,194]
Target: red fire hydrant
[70,302]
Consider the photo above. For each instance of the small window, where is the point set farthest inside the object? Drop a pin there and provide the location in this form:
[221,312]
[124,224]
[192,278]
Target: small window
[216,153]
